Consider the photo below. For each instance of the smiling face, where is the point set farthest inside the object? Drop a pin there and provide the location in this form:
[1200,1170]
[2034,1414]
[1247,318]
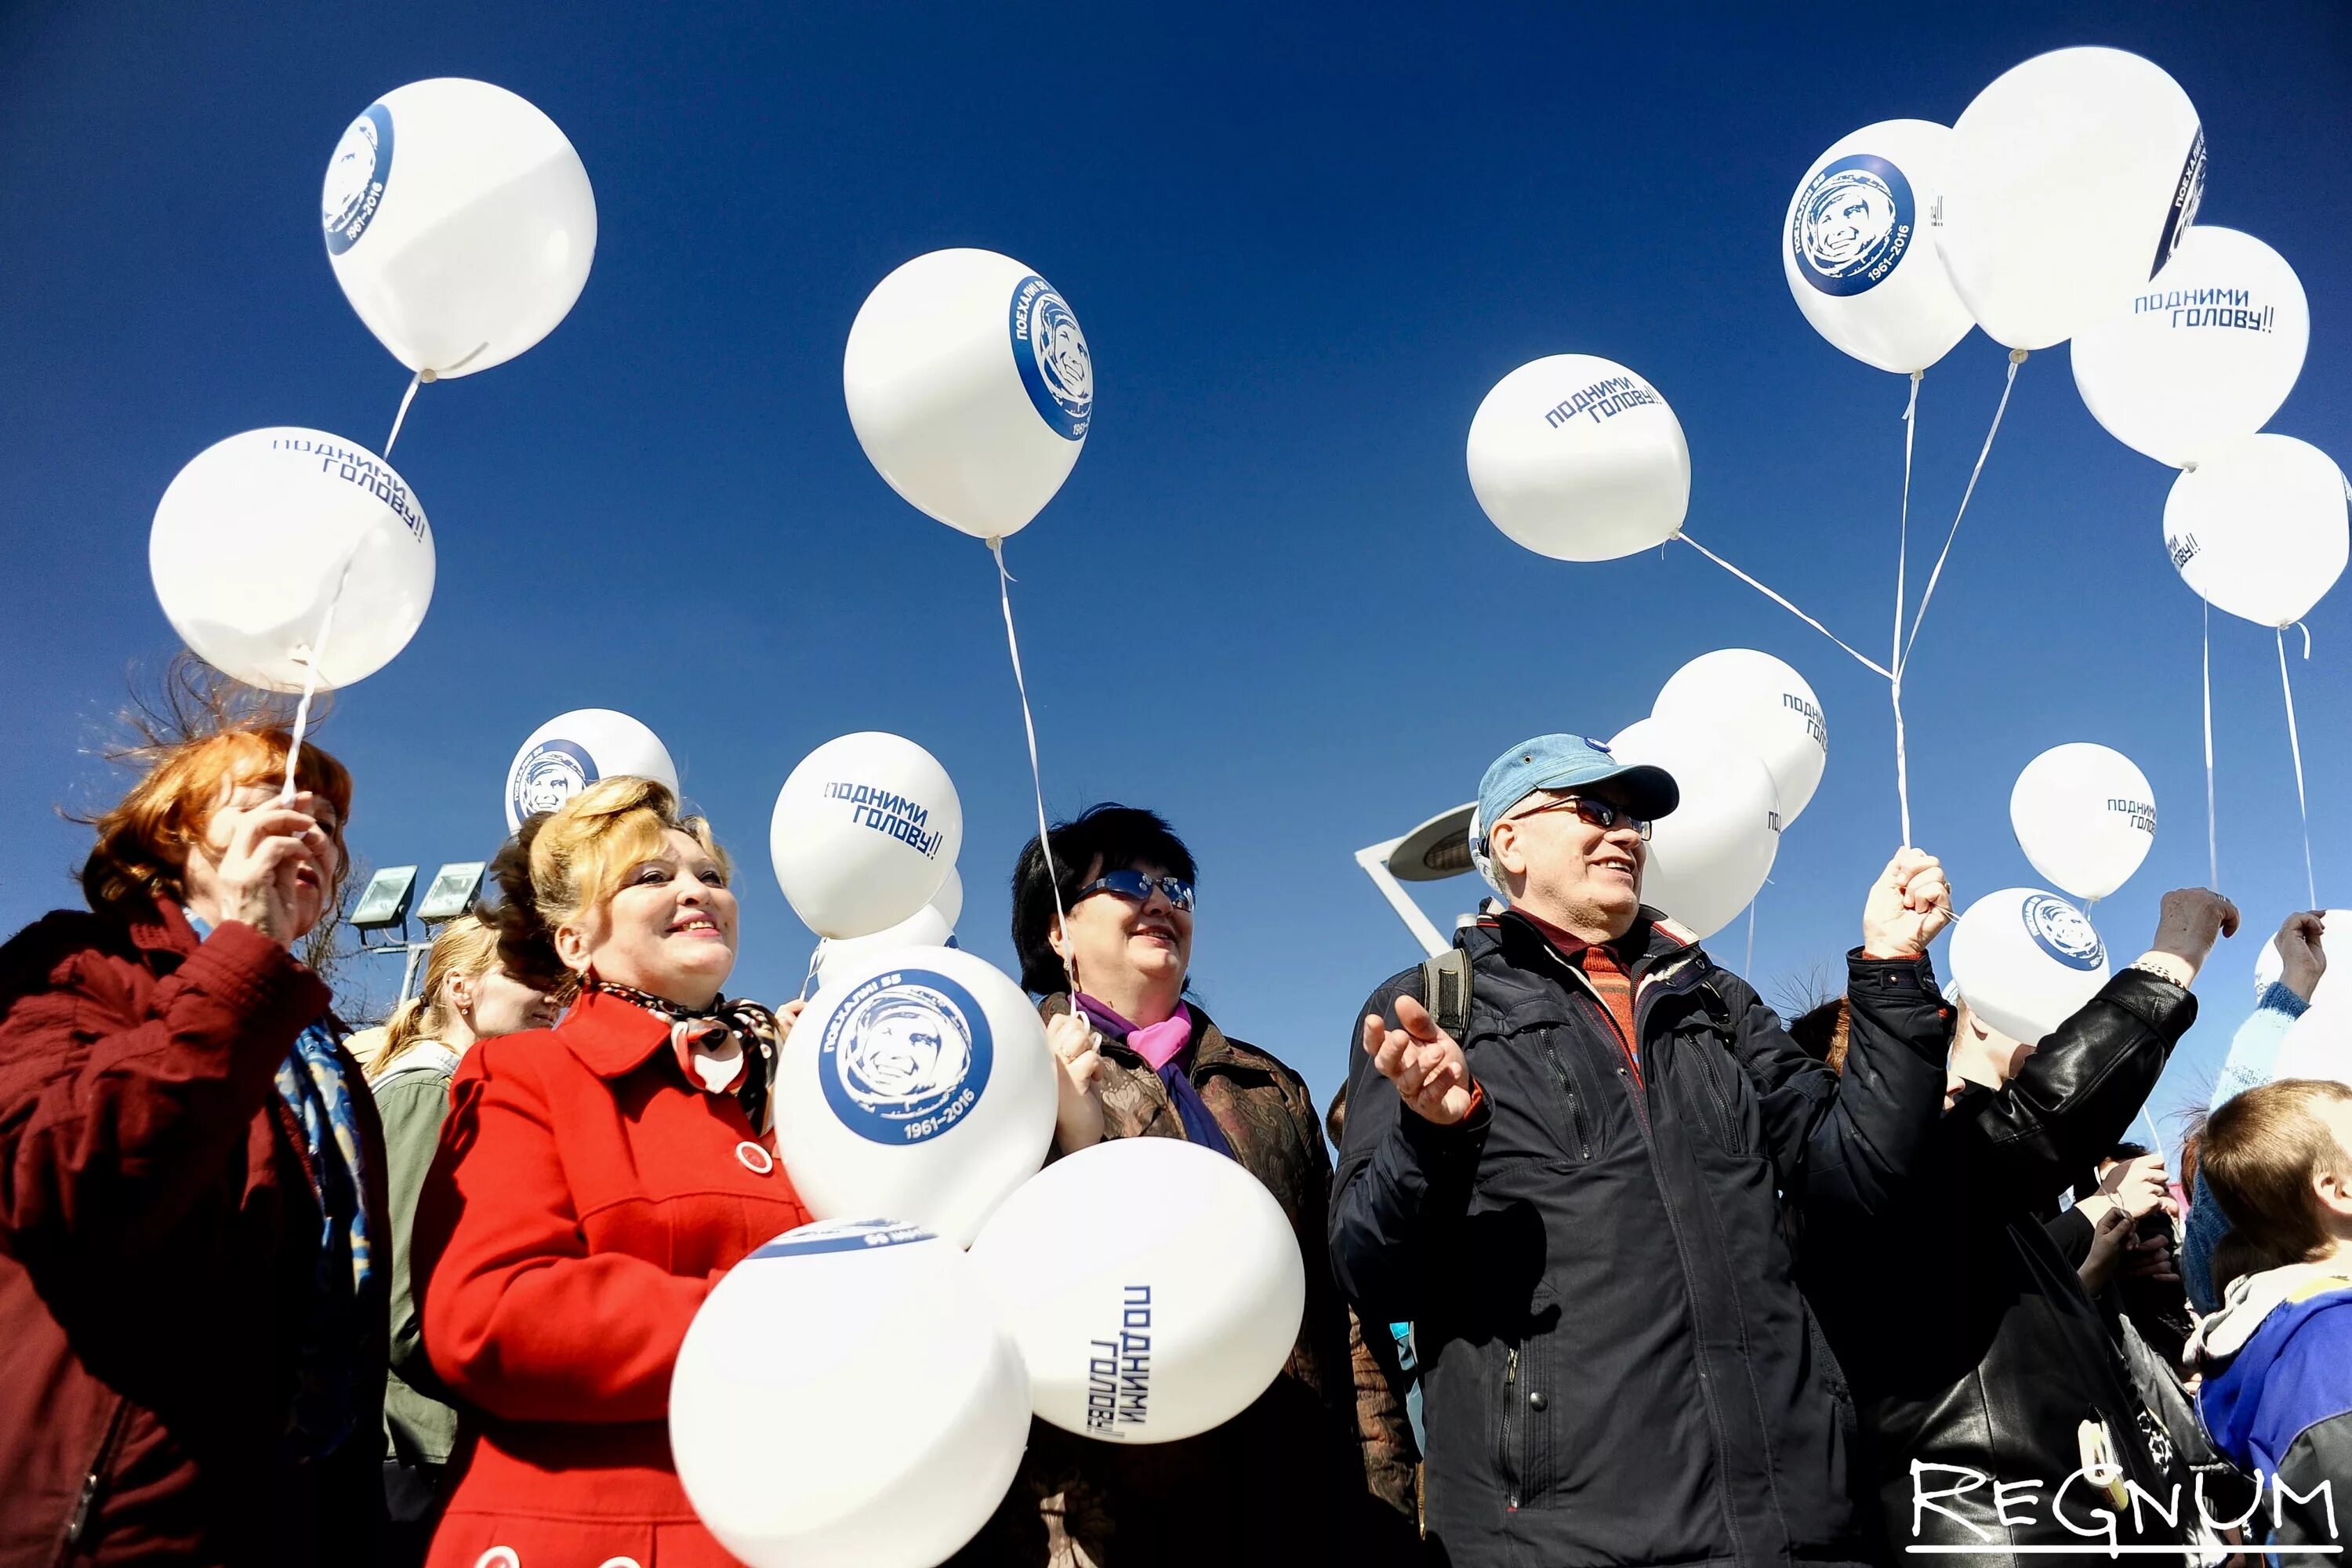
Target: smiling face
[315,875]
[1117,946]
[668,929]
[1584,879]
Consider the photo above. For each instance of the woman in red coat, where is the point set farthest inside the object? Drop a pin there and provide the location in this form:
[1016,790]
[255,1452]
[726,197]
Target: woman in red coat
[192,1314]
[594,1180]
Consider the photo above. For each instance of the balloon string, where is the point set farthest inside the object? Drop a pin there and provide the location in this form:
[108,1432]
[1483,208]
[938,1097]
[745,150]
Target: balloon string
[1868,663]
[407,398]
[1895,655]
[2213,833]
[310,679]
[2310,882]
[2016,358]
[1748,967]
[816,956]
[1029,724]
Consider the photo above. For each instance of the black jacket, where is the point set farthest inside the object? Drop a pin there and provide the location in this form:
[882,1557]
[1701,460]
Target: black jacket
[1617,1366]
[1964,1329]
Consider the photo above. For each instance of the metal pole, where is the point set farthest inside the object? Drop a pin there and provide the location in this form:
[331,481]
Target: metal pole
[1374,859]
[408,968]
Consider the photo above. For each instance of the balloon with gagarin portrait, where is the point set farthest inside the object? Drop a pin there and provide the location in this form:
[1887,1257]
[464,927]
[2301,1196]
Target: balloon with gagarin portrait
[2062,932]
[906,1057]
[1051,353]
[356,177]
[549,774]
[1852,225]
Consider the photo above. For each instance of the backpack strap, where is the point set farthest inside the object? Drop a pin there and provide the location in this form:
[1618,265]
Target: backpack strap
[1445,988]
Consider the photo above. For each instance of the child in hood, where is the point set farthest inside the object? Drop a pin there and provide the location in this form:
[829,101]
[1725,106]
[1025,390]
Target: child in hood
[2277,1357]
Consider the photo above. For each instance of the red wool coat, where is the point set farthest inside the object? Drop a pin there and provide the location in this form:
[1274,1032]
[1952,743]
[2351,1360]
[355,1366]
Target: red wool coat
[584,1202]
[157,1233]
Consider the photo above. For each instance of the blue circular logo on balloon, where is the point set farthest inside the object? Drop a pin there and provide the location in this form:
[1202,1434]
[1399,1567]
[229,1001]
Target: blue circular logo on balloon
[1052,354]
[2060,929]
[904,1056]
[356,177]
[1852,224]
[549,774]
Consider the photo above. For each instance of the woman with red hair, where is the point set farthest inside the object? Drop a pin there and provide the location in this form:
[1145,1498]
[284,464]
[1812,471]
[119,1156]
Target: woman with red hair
[192,1321]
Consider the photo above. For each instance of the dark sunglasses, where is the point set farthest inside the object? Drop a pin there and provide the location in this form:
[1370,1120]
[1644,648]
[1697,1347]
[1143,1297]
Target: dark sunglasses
[1136,885]
[1597,813]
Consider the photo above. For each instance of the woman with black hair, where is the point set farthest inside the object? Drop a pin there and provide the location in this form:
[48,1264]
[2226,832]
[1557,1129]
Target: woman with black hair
[1104,938]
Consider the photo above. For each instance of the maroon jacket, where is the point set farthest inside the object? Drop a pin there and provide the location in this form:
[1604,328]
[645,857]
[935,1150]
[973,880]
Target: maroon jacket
[157,1235]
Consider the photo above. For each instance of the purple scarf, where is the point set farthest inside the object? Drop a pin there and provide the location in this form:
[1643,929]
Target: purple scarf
[1160,1044]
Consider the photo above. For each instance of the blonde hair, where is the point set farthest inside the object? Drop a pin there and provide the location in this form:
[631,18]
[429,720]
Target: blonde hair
[569,861]
[2259,1156]
[465,946]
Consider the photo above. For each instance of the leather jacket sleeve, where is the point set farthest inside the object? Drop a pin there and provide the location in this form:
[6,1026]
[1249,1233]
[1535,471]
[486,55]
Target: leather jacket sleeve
[1853,1142]
[2075,1095]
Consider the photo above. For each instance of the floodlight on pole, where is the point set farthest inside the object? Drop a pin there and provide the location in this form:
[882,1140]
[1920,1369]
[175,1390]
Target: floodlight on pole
[384,904]
[1436,851]
[452,893]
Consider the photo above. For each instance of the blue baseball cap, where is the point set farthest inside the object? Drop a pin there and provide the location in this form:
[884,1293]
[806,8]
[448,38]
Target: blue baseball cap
[1569,762]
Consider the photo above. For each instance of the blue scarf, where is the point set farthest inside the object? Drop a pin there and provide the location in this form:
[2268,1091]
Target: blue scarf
[1200,1123]
[347,1294]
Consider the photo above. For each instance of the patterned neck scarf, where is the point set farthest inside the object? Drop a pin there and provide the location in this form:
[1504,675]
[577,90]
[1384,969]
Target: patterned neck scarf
[1199,1123]
[701,1032]
[347,1294]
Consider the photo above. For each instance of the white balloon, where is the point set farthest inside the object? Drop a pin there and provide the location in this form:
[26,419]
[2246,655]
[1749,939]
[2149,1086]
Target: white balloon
[971,388]
[2086,817]
[2203,356]
[575,750]
[1151,1332]
[926,927]
[459,222]
[1760,703]
[1852,247]
[2026,960]
[2317,1044]
[916,1083]
[2071,179]
[2259,528]
[948,899]
[1578,459]
[2269,967]
[865,833]
[261,533]
[1708,857]
[846,1398]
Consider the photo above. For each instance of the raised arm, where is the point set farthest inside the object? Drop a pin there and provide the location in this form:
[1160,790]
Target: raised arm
[520,1319]
[114,1117]
[1416,1125]
[2078,1091]
[1852,1142]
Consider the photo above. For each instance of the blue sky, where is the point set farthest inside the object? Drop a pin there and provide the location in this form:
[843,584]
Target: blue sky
[1303,242]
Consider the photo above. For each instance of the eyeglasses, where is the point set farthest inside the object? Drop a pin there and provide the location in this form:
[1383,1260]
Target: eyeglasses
[1597,813]
[1136,885]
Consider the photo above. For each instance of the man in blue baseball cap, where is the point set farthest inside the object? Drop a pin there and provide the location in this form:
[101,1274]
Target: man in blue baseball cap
[1576,1196]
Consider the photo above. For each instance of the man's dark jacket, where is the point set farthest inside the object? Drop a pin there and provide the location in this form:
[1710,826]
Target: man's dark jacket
[1964,1330]
[1618,1367]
